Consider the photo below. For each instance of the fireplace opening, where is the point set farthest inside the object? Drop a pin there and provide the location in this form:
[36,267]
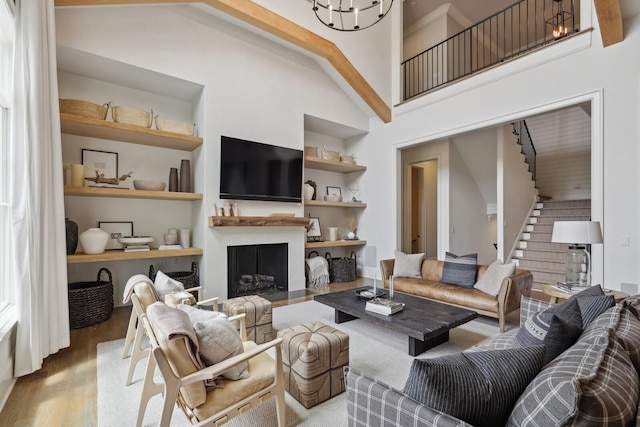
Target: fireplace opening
[257,269]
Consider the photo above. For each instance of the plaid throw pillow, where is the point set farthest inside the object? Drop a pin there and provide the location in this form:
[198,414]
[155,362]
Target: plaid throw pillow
[477,387]
[460,270]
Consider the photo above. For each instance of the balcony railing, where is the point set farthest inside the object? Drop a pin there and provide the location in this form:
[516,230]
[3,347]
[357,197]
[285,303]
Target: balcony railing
[515,30]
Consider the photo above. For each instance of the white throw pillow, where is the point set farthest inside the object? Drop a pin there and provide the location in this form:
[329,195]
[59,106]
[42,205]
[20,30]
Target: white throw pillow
[491,280]
[219,340]
[165,285]
[408,265]
[199,314]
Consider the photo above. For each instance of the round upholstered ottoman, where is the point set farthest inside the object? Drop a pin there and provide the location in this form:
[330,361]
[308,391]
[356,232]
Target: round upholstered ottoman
[314,355]
[257,316]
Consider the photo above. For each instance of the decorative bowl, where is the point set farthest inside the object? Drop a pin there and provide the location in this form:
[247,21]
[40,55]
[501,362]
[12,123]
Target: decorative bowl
[149,185]
[333,198]
[175,126]
[135,240]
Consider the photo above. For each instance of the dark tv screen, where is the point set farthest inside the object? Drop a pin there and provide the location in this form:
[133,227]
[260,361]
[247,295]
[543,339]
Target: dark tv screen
[255,171]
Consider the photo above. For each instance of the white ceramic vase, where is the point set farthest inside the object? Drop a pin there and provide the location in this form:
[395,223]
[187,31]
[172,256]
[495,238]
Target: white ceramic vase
[308,192]
[94,241]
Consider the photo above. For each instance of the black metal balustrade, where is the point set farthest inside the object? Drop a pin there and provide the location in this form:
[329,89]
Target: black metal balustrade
[528,149]
[515,30]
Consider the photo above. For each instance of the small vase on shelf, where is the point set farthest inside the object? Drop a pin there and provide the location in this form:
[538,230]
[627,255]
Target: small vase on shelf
[71,229]
[94,241]
[173,179]
[185,176]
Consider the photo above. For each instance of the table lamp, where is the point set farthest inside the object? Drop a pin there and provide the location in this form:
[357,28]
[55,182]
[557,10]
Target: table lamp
[578,260]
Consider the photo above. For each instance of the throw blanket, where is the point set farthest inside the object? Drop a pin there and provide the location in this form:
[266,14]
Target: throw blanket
[318,271]
[134,280]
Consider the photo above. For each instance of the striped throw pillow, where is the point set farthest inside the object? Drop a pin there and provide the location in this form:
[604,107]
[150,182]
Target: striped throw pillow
[459,270]
[477,387]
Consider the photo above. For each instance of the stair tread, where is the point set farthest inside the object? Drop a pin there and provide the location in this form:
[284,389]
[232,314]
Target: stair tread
[555,251]
[545,270]
[555,261]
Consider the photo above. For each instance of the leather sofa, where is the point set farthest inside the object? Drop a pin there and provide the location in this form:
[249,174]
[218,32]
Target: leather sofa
[429,286]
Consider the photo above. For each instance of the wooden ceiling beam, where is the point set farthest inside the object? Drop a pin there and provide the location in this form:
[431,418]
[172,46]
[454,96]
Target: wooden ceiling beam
[276,25]
[610,20]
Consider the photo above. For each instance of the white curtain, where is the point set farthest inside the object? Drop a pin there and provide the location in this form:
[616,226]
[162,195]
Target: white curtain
[36,191]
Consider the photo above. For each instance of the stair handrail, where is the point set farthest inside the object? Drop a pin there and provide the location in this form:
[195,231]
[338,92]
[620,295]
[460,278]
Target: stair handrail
[528,148]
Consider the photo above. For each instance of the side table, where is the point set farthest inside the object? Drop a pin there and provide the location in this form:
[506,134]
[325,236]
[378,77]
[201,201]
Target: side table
[555,293]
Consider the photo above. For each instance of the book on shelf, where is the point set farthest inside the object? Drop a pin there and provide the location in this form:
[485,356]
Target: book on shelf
[169,247]
[384,306]
[136,248]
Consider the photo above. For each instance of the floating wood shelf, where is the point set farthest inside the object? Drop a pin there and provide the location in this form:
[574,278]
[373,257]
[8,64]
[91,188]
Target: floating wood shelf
[259,221]
[119,255]
[128,193]
[326,244]
[322,203]
[331,165]
[103,129]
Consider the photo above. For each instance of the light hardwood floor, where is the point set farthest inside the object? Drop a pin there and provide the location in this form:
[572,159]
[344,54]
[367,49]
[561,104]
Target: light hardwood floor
[63,392]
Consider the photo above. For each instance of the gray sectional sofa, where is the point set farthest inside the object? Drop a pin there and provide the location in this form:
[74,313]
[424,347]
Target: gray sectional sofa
[593,382]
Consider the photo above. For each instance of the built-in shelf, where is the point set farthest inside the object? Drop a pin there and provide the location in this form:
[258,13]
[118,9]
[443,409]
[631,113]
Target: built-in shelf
[335,204]
[328,244]
[258,221]
[129,193]
[120,255]
[103,129]
[331,165]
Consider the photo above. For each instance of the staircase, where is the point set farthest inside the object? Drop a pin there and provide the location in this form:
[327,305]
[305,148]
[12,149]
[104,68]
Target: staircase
[535,252]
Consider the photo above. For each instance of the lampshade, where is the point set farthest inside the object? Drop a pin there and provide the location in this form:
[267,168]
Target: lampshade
[580,232]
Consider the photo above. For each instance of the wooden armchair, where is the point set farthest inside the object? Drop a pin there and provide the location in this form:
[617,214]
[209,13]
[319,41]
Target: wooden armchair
[183,381]
[143,296]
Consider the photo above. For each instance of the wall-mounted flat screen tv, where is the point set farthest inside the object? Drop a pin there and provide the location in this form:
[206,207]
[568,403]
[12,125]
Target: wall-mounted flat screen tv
[255,171]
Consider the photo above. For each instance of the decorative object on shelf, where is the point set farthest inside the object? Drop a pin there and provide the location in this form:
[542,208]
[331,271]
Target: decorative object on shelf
[100,296]
[334,191]
[344,158]
[173,231]
[354,16]
[94,241]
[102,181]
[149,185]
[314,232]
[71,232]
[135,240]
[311,150]
[332,198]
[342,269]
[333,234]
[116,230]
[173,179]
[235,212]
[84,108]
[227,209]
[189,279]
[581,235]
[330,154]
[132,116]
[170,239]
[352,225]
[354,188]
[185,176]
[103,163]
[175,126]
[185,241]
[309,191]
[77,175]
[315,189]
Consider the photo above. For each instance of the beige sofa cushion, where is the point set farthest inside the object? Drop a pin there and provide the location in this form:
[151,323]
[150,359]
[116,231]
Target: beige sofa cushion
[491,281]
[407,265]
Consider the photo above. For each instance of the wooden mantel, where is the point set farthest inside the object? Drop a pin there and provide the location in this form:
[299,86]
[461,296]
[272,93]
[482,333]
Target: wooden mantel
[258,221]
[274,24]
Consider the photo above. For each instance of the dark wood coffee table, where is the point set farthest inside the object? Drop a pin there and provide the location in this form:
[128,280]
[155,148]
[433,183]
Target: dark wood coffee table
[426,322]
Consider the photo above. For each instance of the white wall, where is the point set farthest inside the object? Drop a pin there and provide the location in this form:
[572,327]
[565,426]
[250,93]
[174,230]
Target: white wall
[430,172]
[254,89]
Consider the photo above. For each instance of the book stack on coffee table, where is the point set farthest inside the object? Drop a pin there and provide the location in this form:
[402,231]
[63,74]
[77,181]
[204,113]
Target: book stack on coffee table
[384,306]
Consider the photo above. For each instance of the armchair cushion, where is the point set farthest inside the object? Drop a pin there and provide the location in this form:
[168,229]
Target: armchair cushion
[219,340]
[460,270]
[407,265]
[491,281]
[165,285]
[197,314]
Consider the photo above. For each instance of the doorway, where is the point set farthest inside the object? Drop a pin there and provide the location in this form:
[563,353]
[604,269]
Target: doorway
[424,209]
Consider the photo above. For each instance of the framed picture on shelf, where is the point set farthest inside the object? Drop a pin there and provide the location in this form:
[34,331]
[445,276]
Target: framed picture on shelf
[100,162]
[334,191]
[313,230]
[116,229]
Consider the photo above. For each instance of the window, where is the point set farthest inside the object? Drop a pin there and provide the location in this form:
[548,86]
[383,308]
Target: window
[6,69]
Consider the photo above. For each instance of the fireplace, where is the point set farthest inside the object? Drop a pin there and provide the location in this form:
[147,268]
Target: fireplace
[257,269]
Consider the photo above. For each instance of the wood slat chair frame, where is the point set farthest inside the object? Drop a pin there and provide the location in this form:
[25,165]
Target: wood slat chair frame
[171,383]
[135,332]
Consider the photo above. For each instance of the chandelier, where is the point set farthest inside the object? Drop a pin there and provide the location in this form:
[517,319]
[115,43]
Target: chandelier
[560,16]
[350,15]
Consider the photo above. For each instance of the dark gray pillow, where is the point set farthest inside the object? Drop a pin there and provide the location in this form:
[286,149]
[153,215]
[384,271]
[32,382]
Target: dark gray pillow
[480,388]
[592,307]
[460,270]
[557,328]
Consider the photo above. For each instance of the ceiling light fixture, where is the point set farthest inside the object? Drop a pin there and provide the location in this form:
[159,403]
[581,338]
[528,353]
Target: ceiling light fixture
[557,21]
[350,15]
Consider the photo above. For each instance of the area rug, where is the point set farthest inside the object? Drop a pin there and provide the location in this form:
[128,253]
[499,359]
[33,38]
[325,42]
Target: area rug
[374,350]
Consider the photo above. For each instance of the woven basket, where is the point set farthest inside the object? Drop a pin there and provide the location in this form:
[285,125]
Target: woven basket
[84,108]
[342,269]
[189,279]
[330,155]
[132,116]
[90,303]
[311,150]
[175,126]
